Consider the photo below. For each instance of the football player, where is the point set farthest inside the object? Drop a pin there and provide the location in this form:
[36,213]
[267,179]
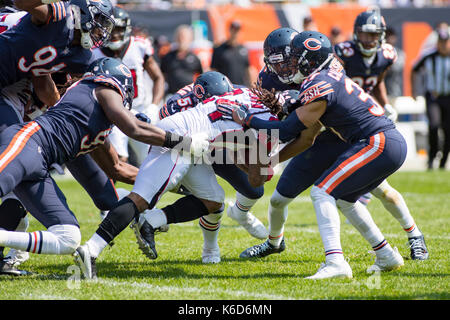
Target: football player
[77,125]
[309,165]
[376,149]
[208,84]
[163,171]
[136,53]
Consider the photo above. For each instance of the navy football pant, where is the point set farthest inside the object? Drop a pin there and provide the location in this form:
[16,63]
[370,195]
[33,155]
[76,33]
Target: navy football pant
[364,166]
[100,188]
[24,170]
[304,169]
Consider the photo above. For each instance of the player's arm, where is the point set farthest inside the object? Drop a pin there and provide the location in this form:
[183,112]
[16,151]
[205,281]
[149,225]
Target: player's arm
[258,173]
[111,102]
[45,89]
[107,158]
[157,76]
[288,129]
[299,145]
[38,9]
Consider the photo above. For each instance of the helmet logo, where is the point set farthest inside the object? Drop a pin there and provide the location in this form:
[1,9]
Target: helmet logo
[123,68]
[199,91]
[312,44]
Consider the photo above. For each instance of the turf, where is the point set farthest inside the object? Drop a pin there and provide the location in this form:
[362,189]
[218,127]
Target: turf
[178,274]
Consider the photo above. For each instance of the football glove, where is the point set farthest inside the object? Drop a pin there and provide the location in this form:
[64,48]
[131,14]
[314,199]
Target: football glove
[232,110]
[199,144]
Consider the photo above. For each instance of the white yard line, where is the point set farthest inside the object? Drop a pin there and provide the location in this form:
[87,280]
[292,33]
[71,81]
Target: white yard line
[203,291]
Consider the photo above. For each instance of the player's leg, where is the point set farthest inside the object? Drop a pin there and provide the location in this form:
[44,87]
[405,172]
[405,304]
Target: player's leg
[394,202]
[246,197]
[299,175]
[202,182]
[97,184]
[119,140]
[354,173]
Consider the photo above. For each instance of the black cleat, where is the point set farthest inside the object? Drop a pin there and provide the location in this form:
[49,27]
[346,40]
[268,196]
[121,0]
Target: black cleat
[145,236]
[418,248]
[8,268]
[262,250]
[86,262]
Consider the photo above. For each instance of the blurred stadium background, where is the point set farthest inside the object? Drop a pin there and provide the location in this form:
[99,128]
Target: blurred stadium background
[412,22]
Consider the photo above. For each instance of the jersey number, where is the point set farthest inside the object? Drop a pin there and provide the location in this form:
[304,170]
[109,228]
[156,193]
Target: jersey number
[375,109]
[99,139]
[42,57]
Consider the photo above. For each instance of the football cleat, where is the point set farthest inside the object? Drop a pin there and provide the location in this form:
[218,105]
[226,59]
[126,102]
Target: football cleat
[262,250]
[85,262]
[252,224]
[211,255]
[418,248]
[330,270]
[391,261]
[145,236]
[8,268]
[17,257]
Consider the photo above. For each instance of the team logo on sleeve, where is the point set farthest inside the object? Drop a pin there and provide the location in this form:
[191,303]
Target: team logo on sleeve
[199,91]
[312,44]
[124,69]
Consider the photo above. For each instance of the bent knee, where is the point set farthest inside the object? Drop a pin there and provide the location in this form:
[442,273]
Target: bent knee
[279,201]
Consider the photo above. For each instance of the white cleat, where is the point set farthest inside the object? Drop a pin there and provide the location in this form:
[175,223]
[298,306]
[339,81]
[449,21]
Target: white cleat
[393,260]
[252,224]
[211,255]
[16,257]
[330,270]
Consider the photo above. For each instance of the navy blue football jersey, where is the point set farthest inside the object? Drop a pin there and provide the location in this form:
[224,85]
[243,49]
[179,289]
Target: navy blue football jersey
[76,124]
[351,113]
[38,50]
[357,69]
[269,80]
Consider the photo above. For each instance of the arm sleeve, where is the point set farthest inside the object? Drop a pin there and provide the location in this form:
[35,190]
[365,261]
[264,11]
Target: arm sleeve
[287,129]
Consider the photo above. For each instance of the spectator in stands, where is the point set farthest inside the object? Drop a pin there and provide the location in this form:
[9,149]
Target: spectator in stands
[436,67]
[231,58]
[309,24]
[336,35]
[181,66]
[394,75]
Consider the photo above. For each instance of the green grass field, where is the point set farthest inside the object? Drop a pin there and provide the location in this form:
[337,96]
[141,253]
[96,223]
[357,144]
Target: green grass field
[178,273]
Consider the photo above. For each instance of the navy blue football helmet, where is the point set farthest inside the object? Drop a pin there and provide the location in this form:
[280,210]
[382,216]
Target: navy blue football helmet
[122,29]
[369,31]
[311,51]
[116,69]
[211,83]
[95,19]
[277,51]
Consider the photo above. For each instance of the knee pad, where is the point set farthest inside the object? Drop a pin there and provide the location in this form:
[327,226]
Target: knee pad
[69,237]
[279,201]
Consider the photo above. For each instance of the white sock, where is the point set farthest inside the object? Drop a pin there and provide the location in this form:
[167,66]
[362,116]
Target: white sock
[156,217]
[96,244]
[60,239]
[243,204]
[360,218]
[210,225]
[393,201]
[328,221]
[278,214]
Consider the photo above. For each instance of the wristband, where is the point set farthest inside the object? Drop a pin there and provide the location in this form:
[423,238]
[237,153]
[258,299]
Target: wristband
[173,140]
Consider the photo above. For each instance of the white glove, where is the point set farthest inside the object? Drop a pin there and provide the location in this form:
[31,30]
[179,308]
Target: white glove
[199,144]
[391,113]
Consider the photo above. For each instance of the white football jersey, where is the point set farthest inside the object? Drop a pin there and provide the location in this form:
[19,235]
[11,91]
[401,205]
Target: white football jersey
[134,57]
[206,118]
[9,20]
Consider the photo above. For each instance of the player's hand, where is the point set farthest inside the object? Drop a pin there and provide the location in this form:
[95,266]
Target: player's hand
[390,112]
[143,117]
[199,144]
[232,110]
